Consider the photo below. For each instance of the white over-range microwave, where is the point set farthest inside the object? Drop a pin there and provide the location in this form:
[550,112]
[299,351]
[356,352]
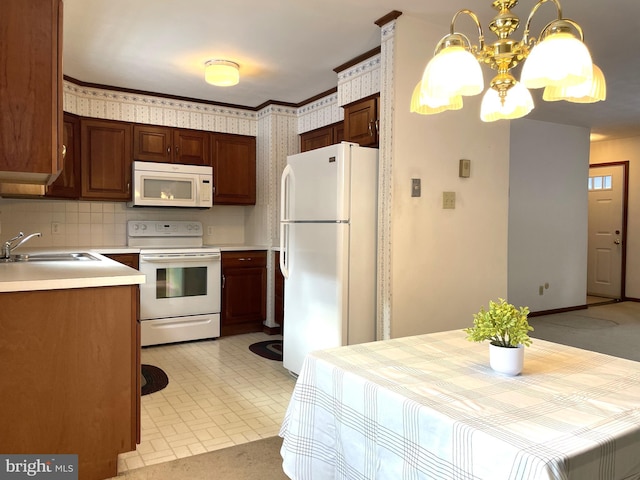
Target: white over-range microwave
[172,185]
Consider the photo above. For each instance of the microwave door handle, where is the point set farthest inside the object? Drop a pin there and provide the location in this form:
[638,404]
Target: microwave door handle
[179,258]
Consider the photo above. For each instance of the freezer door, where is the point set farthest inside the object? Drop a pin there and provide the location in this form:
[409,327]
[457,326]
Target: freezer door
[315,184]
[316,291]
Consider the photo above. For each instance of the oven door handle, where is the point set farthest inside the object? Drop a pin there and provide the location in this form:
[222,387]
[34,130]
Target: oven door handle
[188,257]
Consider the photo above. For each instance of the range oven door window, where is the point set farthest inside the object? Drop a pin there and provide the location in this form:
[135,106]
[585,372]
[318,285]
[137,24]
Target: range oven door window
[175,282]
[179,285]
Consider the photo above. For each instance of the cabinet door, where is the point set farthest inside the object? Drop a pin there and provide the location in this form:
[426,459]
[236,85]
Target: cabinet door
[31,89]
[152,143]
[320,137]
[191,147]
[234,169]
[361,122]
[244,292]
[67,185]
[106,159]
[129,259]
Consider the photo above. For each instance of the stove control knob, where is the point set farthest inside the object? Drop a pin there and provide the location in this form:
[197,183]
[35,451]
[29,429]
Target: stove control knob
[143,226]
[136,226]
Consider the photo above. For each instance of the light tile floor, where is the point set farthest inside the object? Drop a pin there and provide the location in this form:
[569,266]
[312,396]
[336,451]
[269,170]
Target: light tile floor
[219,394]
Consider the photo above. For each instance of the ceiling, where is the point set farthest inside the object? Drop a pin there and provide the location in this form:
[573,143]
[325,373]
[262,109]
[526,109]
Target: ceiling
[287,49]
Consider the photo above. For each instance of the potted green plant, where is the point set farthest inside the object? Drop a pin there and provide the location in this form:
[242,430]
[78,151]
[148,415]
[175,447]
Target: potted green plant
[507,329]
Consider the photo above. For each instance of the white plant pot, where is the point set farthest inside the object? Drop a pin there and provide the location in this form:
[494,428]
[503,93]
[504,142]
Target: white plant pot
[508,361]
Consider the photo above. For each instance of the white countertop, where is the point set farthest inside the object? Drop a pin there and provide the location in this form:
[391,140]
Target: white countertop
[56,275]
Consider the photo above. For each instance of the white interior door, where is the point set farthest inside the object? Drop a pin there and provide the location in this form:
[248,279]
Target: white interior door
[606,215]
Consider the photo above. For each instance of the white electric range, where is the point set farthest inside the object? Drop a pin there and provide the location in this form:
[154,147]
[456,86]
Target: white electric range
[180,300]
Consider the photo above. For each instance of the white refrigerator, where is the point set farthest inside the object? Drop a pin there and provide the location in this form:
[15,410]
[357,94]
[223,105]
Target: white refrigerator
[328,223]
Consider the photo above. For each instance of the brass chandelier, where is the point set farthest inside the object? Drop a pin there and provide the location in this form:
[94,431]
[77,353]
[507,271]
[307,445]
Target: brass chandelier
[558,61]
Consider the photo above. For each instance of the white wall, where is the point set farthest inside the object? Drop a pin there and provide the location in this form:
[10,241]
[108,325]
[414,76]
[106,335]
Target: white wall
[548,215]
[446,264]
[616,151]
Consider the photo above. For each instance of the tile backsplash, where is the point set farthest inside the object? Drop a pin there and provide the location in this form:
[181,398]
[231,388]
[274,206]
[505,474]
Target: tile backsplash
[97,224]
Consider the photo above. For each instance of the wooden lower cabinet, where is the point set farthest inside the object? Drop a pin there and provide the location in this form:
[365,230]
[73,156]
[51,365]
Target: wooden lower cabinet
[244,292]
[129,259]
[71,375]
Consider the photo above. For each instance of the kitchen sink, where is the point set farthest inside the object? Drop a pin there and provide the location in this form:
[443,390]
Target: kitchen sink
[54,257]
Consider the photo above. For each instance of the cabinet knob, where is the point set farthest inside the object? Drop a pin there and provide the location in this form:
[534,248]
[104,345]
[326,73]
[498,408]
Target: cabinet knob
[64,151]
[168,150]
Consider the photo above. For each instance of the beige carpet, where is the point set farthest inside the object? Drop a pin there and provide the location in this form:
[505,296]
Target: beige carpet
[259,460]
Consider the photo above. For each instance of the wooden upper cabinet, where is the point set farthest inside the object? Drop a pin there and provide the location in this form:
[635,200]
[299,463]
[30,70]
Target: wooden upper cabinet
[67,185]
[233,158]
[152,143]
[106,147]
[361,121]
[191,147]
[322,137]
[30,90]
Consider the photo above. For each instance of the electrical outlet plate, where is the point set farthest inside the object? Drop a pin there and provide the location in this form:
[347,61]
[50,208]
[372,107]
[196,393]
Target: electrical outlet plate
[449,200]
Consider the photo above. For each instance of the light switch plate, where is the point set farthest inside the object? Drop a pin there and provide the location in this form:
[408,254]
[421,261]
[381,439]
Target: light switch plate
[416,189]
[449,200]
[464,170]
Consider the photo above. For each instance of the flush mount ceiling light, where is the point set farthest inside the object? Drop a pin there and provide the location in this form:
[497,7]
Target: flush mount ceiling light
[221,73]
[558,61]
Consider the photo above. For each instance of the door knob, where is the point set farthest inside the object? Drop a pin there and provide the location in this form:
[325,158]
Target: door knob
[617,241]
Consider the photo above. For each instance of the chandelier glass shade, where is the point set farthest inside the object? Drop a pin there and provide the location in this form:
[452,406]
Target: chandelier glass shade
[557,60]
[221,73]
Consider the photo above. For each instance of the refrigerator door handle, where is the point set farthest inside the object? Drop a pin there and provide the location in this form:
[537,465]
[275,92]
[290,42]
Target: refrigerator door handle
[284,250]
[285,195]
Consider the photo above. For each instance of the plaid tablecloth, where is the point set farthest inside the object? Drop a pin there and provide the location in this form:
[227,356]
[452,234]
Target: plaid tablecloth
[430,407]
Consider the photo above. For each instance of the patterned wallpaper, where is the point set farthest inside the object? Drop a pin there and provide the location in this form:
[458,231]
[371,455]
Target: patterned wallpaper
[127,107]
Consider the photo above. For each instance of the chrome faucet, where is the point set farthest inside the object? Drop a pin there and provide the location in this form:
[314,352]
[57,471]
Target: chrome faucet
[9,247]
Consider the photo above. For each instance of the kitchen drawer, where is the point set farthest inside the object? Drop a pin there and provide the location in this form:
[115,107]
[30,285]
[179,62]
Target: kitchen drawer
[247,258]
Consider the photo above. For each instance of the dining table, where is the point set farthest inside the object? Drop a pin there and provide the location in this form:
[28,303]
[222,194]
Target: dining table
[430,407]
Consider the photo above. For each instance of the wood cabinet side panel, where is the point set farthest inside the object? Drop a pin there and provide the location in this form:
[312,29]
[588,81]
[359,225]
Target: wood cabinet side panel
[30,86]
[67,185]
[67,379]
